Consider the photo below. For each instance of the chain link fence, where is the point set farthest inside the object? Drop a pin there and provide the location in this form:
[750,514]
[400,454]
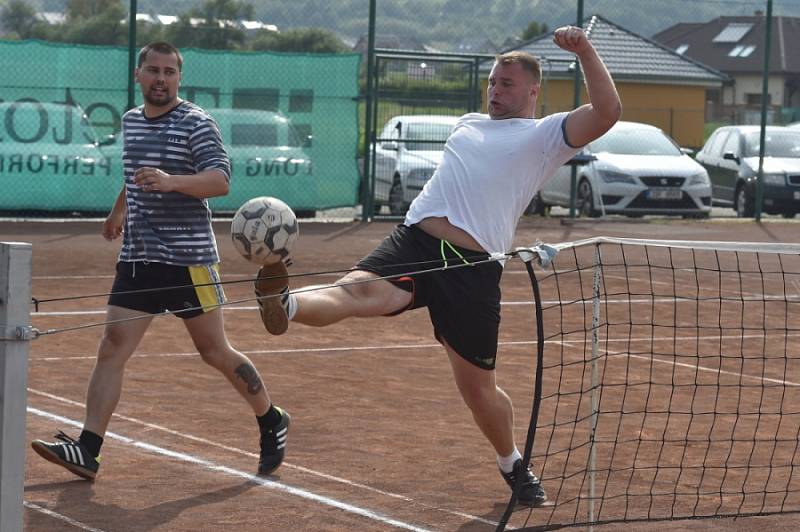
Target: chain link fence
[297,123]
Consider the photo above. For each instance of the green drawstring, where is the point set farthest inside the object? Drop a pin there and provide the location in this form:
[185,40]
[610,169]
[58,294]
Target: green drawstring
[454,250]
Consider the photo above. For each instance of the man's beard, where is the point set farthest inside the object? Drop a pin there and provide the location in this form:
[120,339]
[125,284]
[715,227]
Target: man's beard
[158,100]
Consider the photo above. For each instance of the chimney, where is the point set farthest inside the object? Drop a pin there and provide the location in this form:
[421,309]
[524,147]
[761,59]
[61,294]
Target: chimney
[758,13]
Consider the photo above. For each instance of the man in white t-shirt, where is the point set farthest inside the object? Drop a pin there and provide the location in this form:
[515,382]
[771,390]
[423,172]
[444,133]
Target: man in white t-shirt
[491,168]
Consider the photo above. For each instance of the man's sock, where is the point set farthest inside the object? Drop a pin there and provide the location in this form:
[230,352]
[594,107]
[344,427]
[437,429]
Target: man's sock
[269,419]
[91,441]
[506,463]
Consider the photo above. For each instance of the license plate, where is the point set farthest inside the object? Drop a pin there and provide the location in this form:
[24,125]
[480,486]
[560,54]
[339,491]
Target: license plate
[797,194]
[664,194]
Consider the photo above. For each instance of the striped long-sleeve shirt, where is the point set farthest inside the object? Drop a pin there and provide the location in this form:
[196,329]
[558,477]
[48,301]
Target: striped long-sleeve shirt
[170,227]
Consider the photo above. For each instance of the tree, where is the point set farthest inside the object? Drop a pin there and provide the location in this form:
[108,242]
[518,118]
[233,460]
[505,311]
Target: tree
[216,29]
[85,9]
[19,19]
[534,29]
[310,40]
[103,27]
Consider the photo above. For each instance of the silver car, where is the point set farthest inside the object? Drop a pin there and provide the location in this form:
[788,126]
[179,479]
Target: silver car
[634,169]
[408,151]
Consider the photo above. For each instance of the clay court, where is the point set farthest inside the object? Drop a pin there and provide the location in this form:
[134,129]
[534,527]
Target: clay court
[380,439]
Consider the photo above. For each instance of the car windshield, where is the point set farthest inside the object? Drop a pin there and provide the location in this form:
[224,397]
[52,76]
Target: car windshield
[635,142]
[433,136]
[263,135]
[778,144]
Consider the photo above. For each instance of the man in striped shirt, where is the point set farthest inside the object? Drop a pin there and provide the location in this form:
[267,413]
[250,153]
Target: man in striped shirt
[173,160]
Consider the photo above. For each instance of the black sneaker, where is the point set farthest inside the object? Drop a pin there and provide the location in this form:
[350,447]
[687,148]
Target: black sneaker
[531,492]
[70,454]
[272,290]
[273,445]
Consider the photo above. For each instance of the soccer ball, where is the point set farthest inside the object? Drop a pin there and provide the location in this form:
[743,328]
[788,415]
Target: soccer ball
[264,230]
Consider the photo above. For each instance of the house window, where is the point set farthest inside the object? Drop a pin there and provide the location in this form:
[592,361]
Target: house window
[680,50]
[733,32]
[742,50]
[747,51]
[755,99]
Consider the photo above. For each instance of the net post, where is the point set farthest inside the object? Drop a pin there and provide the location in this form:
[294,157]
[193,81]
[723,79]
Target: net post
[594,393]
[15,297]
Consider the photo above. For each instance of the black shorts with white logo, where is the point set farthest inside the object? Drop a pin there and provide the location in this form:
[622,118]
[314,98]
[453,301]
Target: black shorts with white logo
[155,287]
[463,302]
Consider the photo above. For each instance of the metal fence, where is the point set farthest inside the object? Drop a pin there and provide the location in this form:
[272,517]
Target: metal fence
[679,65]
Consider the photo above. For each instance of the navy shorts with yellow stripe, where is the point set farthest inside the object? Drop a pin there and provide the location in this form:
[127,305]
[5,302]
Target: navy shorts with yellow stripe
[155,287]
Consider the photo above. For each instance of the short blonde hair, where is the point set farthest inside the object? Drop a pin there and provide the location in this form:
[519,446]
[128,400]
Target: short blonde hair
[526,60]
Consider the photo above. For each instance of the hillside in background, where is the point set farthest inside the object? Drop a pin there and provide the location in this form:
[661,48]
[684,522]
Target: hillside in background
[450,24]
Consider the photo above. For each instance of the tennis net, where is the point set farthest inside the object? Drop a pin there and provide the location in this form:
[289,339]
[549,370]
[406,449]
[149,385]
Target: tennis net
[668,381]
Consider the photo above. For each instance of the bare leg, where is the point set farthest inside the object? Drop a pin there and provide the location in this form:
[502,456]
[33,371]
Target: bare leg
[490,405]
[354,295]
[116,347]
[208,333]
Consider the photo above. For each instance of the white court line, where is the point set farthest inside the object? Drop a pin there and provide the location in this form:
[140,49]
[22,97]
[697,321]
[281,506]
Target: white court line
[710,370]
[51,513]
[307,350]
[254,455]
[645,300]
[267,483]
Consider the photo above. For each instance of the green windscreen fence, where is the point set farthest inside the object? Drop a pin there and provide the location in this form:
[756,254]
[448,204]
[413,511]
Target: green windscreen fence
[289,123]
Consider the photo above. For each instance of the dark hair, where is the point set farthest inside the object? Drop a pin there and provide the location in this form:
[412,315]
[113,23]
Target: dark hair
[161,48]
[526,60]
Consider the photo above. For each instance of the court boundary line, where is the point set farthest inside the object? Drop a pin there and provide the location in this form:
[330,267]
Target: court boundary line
[242,452]
[229,471]
[55,515]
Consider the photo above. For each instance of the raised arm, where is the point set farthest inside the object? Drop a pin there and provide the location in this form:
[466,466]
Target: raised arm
[589,121]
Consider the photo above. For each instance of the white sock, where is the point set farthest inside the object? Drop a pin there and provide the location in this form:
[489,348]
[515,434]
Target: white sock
[289,302]
[506,463]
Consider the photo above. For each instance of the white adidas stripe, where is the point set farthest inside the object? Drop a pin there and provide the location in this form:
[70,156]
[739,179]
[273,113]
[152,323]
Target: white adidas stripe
[72,453]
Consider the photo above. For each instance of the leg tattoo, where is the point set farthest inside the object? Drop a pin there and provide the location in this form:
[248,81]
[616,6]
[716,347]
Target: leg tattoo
[248,374]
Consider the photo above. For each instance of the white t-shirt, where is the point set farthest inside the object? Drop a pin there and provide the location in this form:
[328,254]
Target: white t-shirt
[489,173]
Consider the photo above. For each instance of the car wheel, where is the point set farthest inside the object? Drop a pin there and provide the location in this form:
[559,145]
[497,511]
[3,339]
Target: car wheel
[536,206]
[788,215]
[396,204]
[743,203]
[586,199]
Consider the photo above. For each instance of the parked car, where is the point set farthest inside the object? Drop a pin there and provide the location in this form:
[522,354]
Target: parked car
[268,157]
[634,169]
[52,159]
[409,150]
[731,157]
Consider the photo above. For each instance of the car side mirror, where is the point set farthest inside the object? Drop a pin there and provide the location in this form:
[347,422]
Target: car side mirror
[582,159]
[729,156]
[390,145]
[307,141]
[687,151]
[107,140]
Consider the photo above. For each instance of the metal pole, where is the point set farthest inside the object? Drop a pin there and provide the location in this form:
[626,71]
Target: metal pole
[764,98]
[131,54]
[576,101]
[15,298]
[594,393]
[368,201]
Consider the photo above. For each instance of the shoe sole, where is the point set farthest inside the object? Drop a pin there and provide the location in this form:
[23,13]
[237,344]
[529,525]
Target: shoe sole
[537,504]
[269,471]
[50,456]
[272,312]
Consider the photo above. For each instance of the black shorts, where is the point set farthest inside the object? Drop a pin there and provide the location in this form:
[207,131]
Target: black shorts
[463,302]
[155,287]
